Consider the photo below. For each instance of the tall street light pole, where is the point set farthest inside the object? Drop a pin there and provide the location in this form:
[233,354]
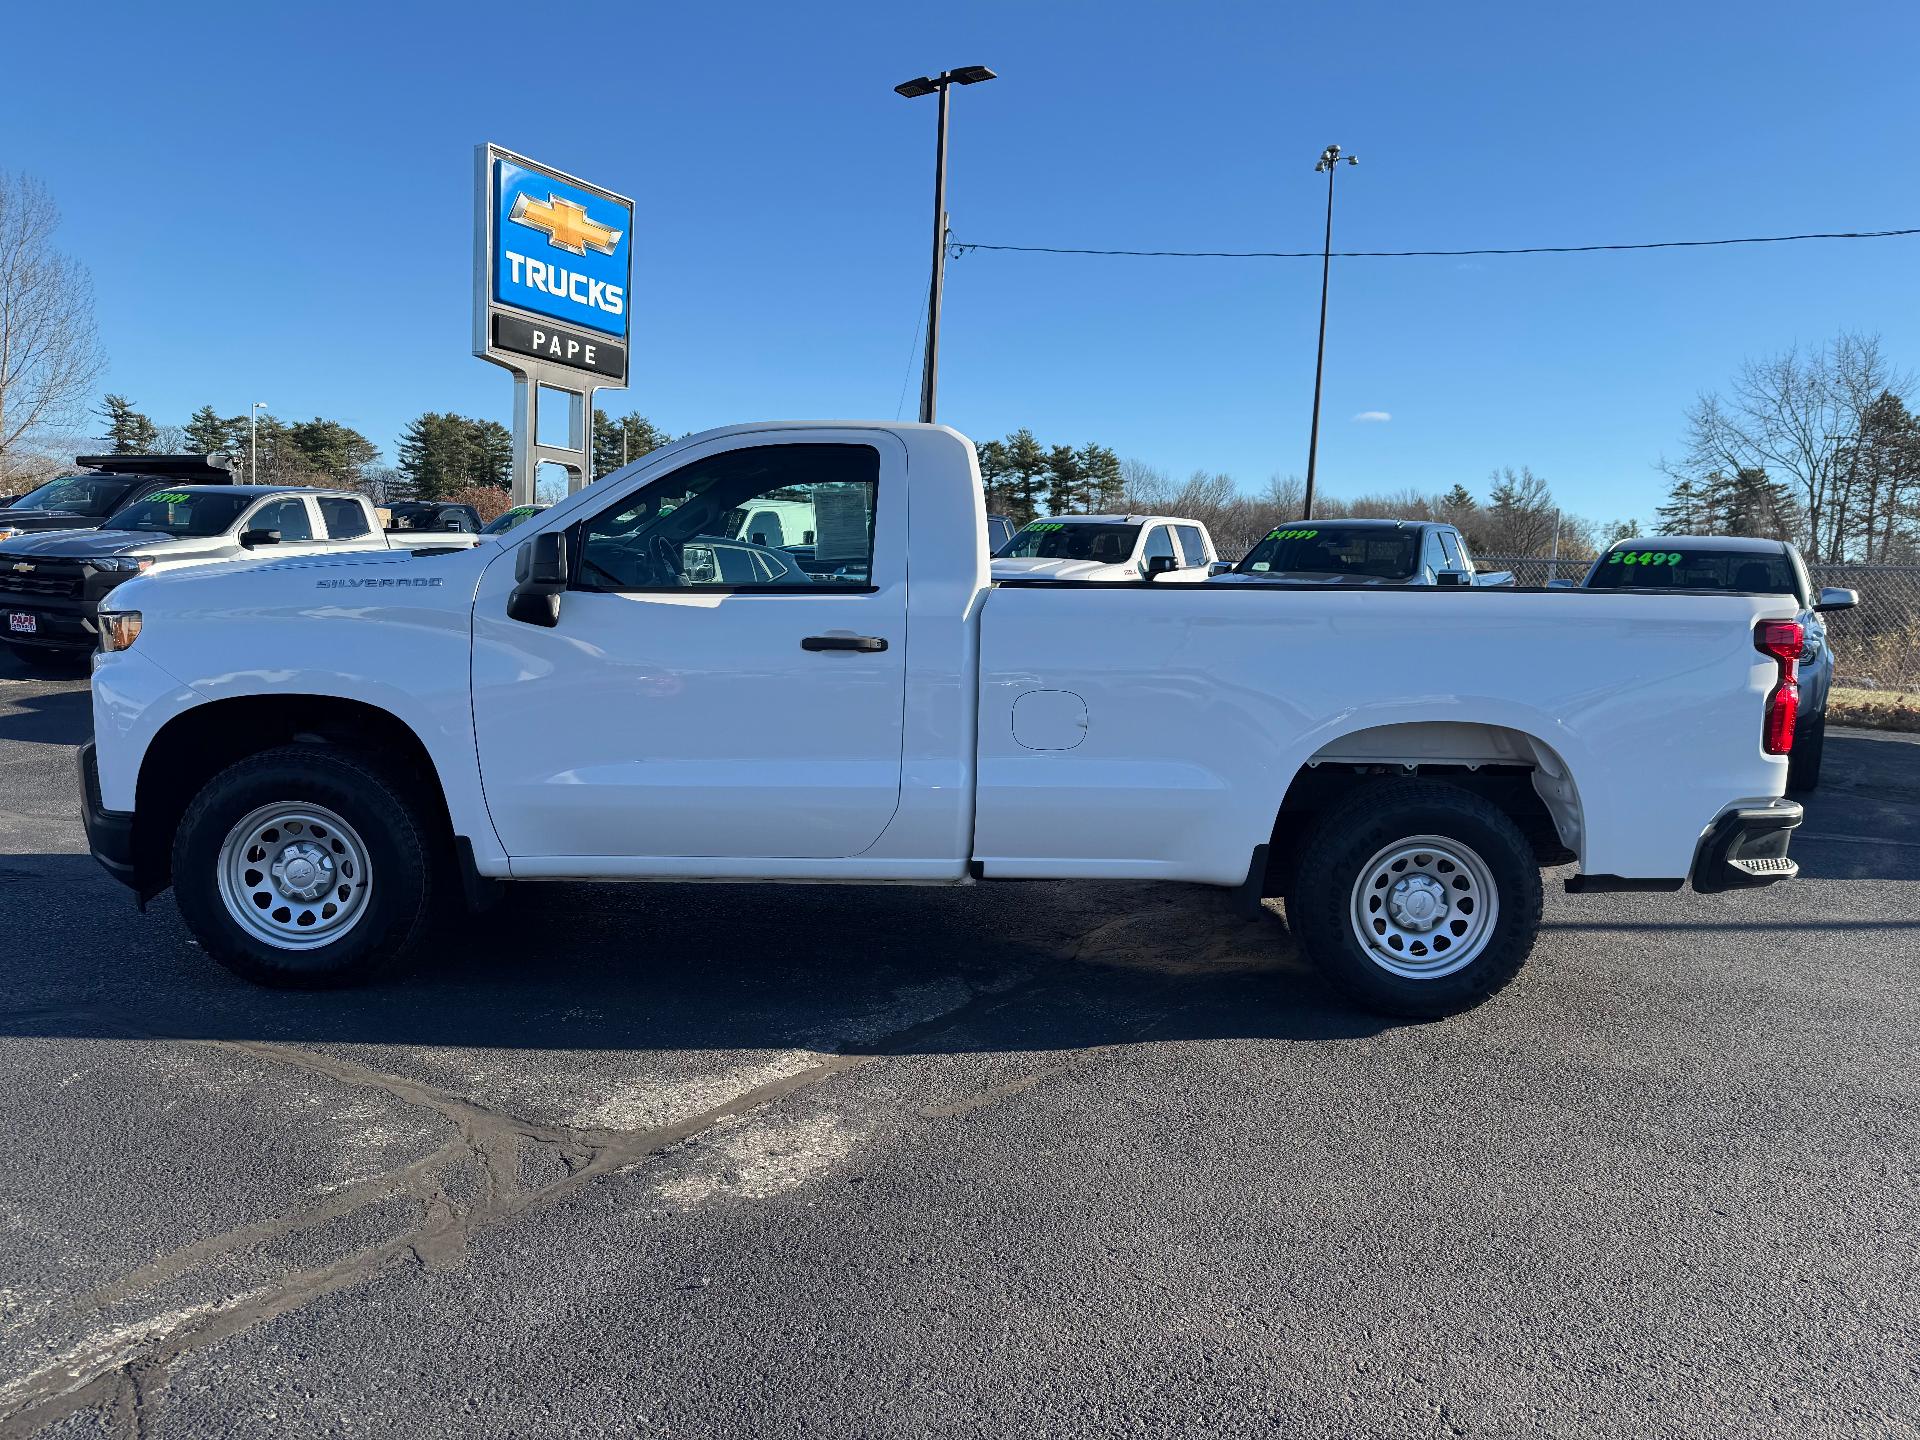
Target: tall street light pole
[253,442]
[1329,162]
[913,89]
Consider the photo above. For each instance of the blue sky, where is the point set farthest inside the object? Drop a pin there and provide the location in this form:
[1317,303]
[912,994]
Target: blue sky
[275,204]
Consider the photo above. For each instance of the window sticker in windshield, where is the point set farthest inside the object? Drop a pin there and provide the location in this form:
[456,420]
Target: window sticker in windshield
[170,497]
[1644,557]
[1035,529]
[1292,534]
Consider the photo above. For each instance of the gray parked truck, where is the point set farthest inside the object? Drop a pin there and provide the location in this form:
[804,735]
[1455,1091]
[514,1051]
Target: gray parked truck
[1755,567]
[1366,552]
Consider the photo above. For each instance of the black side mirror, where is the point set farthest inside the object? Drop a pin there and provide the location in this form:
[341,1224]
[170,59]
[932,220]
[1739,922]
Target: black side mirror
[1220,567]
[251,538]
[1834,598]
[1158,565]
[1449,577]
[540,573]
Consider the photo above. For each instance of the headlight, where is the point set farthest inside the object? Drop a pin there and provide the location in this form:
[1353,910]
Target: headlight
[121,564]
[118,629]
[7,533]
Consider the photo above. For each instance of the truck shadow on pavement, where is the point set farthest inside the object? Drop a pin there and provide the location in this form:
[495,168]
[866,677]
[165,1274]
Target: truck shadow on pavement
[835,969]
[53,717]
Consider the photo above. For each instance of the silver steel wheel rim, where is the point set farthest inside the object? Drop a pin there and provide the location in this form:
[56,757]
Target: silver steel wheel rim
[1424,907]
[295,875]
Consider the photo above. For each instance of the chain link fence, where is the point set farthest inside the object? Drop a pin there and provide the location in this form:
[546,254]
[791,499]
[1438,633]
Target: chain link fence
[1876,645]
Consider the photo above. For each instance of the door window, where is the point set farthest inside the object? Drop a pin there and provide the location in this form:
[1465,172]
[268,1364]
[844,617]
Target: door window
[1193,549]
[288,516]
[1451,551]
[768,517]
[346,519]
[1158,543]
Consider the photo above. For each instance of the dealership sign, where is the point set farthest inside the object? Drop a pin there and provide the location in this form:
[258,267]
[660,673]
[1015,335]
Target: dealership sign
[552,271]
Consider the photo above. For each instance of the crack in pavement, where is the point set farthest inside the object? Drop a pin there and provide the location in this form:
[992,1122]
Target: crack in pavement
[127,1365]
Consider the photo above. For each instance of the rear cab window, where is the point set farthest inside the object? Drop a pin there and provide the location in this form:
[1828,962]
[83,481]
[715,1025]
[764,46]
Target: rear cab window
[344,518]
[1656,567]
[1193,548]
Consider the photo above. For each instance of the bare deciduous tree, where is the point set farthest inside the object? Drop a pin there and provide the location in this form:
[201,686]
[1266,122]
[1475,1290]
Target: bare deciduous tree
[49,352]
[1795,416]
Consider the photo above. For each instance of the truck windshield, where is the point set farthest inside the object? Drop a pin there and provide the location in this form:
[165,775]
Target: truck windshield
[1650,567]
[505,521]
[181,512]
[1055,540]
[91,495]
[1373,551]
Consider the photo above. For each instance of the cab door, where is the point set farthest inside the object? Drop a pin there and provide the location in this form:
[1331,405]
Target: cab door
[702,694]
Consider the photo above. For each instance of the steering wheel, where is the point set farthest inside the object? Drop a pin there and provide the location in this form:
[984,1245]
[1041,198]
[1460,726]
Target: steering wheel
[664,556]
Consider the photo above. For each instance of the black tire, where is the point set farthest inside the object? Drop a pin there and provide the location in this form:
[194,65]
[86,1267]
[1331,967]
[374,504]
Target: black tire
[1352,835]
[1803,761]
[399,864]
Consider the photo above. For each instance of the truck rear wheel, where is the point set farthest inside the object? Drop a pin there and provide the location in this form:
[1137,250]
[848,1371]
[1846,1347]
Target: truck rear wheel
[304,867]
[1416,898]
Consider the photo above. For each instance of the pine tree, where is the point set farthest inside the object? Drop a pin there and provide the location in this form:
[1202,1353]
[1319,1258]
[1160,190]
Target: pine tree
[621,442]
[443,452]
[994,476]
[1685,511]
[206,432]
[1027,462]
[1101,469]
[331,450]
[129,432]
[1066,481]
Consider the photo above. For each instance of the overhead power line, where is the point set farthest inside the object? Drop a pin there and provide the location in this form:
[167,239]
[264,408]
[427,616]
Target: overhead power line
[961,247]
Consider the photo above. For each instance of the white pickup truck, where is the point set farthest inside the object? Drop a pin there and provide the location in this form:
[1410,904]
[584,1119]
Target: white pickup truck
[312,752]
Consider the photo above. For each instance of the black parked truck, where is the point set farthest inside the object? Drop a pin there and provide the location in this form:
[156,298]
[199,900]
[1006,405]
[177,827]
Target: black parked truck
[109,483]
[85,501]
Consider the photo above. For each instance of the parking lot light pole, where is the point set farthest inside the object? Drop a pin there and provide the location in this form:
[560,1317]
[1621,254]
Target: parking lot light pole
[913,89]
[1329,162]
[253,442]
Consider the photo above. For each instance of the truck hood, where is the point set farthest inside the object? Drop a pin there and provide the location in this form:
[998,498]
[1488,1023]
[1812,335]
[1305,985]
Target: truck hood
[362,577]
[13,519]
[1309,577]
[1035,569]
[85,544]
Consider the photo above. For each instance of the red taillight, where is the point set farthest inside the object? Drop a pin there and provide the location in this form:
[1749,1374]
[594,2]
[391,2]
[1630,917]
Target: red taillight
[1783,708]
[1783,640]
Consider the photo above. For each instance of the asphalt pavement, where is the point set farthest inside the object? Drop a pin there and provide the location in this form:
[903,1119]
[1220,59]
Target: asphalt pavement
[1017,1160]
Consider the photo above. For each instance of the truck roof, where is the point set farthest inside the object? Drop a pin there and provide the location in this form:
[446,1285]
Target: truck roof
[254,492]
[1748,543]
[1116,520]
[213,469]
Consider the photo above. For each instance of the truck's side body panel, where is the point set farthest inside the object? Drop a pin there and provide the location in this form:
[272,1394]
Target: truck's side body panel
[1201,705]
[687,732]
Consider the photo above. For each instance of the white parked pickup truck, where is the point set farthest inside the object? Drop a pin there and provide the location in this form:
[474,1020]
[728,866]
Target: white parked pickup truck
[312,752]
[1109,547]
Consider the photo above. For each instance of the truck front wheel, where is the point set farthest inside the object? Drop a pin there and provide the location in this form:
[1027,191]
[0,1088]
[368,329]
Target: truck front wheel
[1416,898]
[303,866]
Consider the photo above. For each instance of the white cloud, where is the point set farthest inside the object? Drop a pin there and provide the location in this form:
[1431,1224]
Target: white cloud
[1373,417]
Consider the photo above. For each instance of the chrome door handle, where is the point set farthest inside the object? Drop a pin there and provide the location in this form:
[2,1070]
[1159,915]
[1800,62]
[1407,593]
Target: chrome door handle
[867,643]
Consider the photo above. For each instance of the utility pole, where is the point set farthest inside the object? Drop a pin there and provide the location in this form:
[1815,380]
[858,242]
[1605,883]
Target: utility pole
[253,442]
[1329,162]
[913,89]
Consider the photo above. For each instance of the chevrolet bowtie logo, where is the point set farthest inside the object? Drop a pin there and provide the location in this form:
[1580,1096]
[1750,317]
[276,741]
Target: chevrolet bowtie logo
[21,567]
[566,225]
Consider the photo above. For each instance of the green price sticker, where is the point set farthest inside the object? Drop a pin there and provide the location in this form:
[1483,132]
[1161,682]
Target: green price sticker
[1293,534]
[1036,529]
[1644,557]
[171,497]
